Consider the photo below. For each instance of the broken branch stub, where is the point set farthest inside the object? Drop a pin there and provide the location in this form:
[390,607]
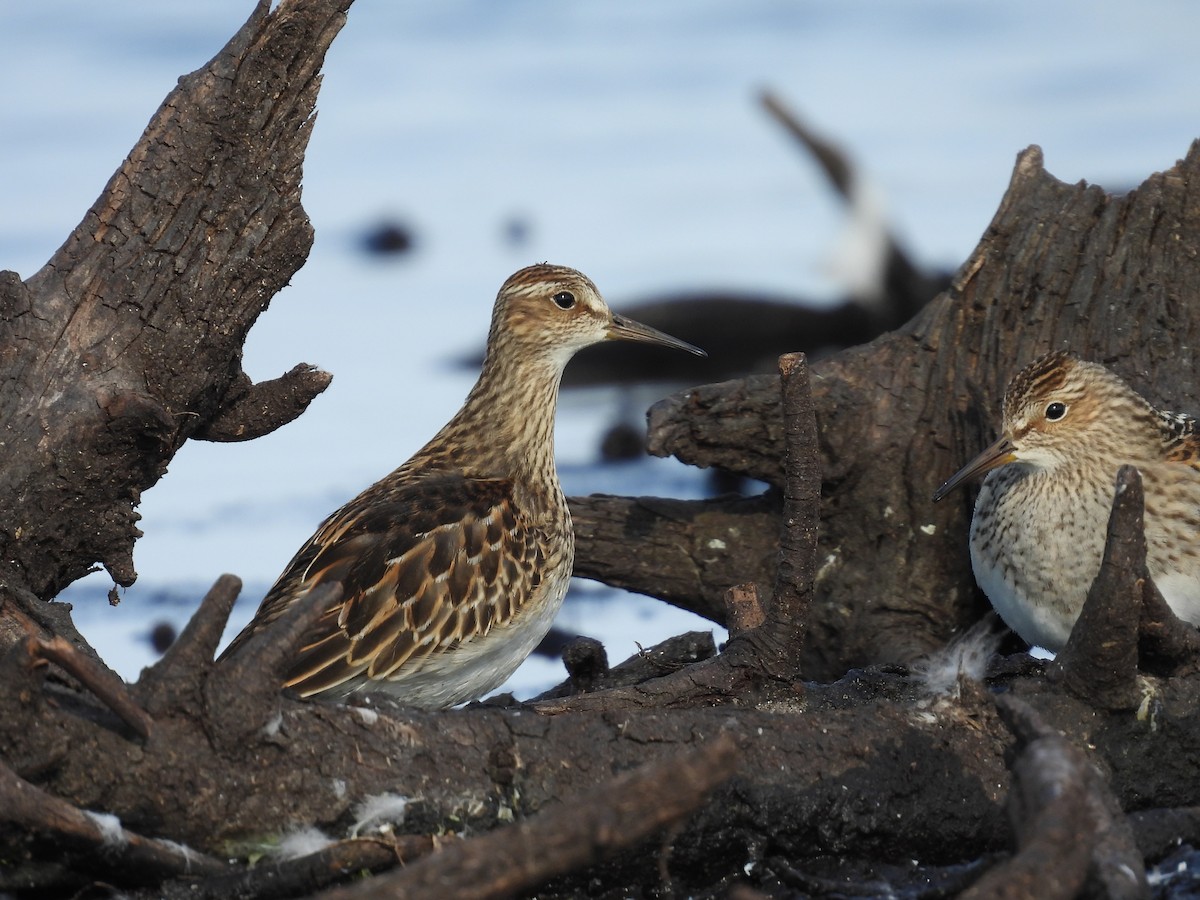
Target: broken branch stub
[1100,660]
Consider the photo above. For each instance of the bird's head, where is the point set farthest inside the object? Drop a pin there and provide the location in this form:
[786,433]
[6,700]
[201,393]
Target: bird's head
[553,312]
[1057,410]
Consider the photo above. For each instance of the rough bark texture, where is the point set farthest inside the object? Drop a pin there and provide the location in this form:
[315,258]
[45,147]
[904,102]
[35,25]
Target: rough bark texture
[689,553]
[1113,277]
[128,342]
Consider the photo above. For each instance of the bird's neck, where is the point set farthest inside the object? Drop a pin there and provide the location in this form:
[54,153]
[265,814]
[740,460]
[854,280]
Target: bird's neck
[505,428]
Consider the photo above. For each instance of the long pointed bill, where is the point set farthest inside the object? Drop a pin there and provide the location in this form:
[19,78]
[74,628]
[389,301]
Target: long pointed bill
[623,329]
[997,454]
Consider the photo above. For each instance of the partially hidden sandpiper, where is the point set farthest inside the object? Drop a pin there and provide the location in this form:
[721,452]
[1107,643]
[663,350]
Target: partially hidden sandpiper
[1038,533]
[453,566]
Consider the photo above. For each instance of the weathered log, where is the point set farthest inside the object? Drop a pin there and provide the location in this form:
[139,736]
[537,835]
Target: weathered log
[875,764]
[1060,266]
[95,843]
[570,836]
[477,768]
[1072,838]
[919,772]
[763,661]
[689,553]
[924,772]
[128,341]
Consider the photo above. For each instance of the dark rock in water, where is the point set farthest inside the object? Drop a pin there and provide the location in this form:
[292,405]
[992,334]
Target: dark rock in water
[388,239]
[516,231]
[623,441]
[162,636]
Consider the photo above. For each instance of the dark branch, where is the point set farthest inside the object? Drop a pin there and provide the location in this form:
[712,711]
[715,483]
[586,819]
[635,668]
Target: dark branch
[565,838]
[587,665]
[252,410]
[180,672]
[271,879]
[690,552]
[107,846]
[801,501]
[1070,829]
[105,684]
[1100,660]
[149,301]
[101,681]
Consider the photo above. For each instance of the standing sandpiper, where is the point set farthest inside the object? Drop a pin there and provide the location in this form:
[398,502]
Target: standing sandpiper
[453,566]
[1037,536]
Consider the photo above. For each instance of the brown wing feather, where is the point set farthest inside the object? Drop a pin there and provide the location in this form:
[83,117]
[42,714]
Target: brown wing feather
[1185,449]
[423,566]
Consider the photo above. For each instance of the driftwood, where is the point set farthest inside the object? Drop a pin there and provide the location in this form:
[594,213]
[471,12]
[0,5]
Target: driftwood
[1113,277]
[814,773]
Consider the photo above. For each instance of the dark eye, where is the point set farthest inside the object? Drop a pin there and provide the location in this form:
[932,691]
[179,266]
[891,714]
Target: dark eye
[564,299]
[1055,411]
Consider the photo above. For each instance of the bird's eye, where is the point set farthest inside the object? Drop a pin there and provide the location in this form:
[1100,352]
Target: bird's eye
[564,299]
[1055,411]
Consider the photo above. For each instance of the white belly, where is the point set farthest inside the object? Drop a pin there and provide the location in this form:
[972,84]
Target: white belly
[478,666]
[1036,551]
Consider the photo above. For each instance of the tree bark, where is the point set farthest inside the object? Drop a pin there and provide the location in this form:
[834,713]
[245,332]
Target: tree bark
[1060,266]
[128,342]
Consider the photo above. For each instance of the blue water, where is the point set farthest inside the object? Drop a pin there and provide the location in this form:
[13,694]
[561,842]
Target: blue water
[624,136]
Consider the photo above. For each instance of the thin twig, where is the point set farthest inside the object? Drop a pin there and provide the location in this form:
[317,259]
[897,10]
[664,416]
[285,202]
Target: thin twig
[104,683]
[111,846]
[801,500]
[314,871]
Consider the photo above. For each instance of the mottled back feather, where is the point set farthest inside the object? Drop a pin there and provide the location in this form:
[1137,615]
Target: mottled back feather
[434,562]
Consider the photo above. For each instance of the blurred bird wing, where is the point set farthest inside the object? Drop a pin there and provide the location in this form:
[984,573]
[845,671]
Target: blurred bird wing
[423,567]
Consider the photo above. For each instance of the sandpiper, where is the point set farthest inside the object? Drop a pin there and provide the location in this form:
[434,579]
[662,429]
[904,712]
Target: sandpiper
[1037,536]
[453,566]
